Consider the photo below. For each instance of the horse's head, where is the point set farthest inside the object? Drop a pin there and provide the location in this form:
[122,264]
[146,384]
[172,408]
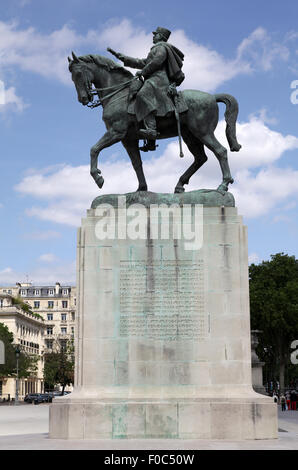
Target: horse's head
[82,77]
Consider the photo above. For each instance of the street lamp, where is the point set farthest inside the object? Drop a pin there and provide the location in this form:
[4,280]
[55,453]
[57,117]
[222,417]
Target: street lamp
[17,353]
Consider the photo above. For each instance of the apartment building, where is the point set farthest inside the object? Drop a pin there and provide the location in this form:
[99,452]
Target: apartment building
[29,333]
[57,305]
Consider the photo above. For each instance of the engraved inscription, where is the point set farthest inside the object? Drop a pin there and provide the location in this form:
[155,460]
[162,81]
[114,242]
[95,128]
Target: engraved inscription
[163,300]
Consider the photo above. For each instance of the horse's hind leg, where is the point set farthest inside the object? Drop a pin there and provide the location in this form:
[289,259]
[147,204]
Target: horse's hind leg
[197,149]
[222,155]
[132,148]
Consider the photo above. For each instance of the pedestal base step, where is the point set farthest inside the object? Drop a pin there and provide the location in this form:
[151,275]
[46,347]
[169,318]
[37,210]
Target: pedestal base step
[205,419]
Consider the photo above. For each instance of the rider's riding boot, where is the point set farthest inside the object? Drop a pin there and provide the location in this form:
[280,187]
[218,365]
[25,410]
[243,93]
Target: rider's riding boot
[149,133]
[149,145]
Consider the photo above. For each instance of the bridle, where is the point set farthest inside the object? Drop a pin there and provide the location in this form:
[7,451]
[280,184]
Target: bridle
[95,91]
[99,102]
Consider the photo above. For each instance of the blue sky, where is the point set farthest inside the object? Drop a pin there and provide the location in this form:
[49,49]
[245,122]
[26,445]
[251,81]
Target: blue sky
[247,49]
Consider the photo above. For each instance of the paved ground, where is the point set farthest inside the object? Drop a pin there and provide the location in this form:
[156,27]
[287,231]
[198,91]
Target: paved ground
[26,427]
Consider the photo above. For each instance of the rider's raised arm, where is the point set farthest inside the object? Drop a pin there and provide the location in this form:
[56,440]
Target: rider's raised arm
[133,63]
[128,61]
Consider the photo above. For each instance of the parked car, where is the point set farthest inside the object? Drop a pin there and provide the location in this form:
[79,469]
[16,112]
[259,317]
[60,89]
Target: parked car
[59,393]
[33,397]
[47,397]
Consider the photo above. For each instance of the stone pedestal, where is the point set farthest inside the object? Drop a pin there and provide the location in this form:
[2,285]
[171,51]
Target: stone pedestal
[163,333]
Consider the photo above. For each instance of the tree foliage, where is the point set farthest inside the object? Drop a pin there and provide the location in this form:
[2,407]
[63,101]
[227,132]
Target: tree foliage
[59,366]
[274,309]
[27,363]
[18,302]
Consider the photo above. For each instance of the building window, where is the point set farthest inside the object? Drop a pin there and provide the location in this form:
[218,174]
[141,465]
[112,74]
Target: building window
[64,303]
[1,302]
[51,291]
[65,291]
[63,316]
[1,387]
[49,343]
[36,304]
[49,330]
[73,316]
[37,292]
[9,291]
[50,316]
[23,292]
[50,304]
[63,331]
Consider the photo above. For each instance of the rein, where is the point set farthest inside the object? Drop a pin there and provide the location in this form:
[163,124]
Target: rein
[119,88]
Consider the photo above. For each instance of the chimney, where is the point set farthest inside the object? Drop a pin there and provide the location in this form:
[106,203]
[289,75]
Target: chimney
[57,288]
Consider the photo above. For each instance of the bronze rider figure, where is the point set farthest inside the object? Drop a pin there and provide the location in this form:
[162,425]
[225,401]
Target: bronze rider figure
[161,71]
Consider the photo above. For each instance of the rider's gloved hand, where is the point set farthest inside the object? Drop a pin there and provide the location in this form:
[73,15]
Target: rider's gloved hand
[172,91]
[116,54]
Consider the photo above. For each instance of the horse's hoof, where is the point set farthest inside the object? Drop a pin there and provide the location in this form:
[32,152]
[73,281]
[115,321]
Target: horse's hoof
[179,189]
[100,181]
[222,188]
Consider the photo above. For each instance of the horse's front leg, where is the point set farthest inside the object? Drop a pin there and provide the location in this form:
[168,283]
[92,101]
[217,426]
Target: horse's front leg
[109,138]
[132,147]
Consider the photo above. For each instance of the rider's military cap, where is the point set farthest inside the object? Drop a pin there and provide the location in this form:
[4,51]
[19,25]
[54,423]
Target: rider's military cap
[163,31]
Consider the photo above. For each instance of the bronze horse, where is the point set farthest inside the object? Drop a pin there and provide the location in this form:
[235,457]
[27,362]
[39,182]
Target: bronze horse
[112,83]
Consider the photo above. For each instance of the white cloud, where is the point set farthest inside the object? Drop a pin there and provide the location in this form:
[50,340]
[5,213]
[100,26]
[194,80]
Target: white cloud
[43,235]
[259,184]
[253,258]
[204,67]
[262,115]
[46,54]
[47,258]
[11,101]
[260,144]
[261,51]
[65,273]
[6,271]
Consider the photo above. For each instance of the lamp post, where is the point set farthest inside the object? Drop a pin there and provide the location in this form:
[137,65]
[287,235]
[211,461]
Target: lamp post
[17,353]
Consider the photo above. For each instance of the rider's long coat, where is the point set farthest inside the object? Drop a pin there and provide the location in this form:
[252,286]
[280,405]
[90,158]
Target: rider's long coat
[153,96]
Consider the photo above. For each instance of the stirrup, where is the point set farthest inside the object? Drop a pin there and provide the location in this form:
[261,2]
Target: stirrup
[148,134]
[149,145]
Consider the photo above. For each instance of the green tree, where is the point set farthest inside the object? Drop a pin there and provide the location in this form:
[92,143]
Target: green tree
[59,366]
[27,363]
[274,309]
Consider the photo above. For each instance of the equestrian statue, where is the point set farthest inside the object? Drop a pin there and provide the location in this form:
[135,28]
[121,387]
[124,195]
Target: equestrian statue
[148,106]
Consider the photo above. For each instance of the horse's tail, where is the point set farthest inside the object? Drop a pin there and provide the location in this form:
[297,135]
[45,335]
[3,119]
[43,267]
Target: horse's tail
[231,118]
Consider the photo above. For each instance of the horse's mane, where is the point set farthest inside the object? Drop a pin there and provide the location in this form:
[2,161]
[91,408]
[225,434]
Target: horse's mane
[106,63]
